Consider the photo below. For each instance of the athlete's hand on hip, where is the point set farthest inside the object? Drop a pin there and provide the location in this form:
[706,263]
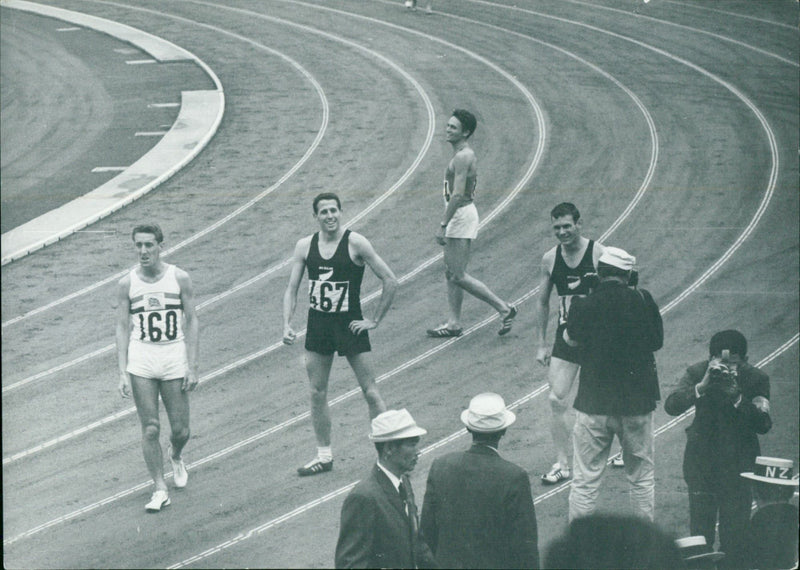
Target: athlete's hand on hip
[542,357]
[289,335]
[125,384]
[189,381]
[357,327]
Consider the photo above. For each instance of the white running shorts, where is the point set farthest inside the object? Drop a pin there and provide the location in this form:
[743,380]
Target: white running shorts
[165,361]
[464,223]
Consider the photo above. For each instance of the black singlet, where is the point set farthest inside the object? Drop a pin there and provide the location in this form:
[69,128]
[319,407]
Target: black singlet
[334,285]
[571,282]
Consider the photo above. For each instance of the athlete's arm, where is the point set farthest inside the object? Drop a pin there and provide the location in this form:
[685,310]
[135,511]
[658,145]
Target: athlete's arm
[191,330]
[123,335]
[290,295]
[597,251]
[543,307]
[364,252]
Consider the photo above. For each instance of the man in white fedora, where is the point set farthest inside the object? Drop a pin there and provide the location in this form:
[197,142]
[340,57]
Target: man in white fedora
[772,534]
[618,328]
[379,523]
[478,510]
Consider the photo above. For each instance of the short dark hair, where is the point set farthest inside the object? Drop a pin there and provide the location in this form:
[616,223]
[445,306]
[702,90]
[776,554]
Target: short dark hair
[151,228]
[565,209]
[490,438]
[327,196]
[467,120]
[608,270]
[613,541]
[729,339]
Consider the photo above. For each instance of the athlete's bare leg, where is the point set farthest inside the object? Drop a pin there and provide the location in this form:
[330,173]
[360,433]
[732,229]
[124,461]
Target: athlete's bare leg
[176,402]
[145,394]
[318,367]
[366,379]
[456,257]
[561,376]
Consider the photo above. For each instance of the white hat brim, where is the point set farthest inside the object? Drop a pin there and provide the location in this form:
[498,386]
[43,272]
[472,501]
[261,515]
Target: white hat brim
[405,433]
[773,480]
[509,418]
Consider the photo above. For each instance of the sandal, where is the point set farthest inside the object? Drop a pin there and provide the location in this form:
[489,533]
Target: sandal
[443,332]
[508,321]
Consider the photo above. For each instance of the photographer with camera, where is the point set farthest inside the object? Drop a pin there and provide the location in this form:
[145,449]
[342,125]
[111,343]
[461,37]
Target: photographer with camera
[731,400]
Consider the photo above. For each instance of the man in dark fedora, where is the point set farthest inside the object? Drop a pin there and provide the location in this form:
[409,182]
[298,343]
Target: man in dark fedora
[379,524]
[772,533]
[478,510]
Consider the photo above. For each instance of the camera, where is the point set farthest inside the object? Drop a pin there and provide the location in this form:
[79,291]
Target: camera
[720,372]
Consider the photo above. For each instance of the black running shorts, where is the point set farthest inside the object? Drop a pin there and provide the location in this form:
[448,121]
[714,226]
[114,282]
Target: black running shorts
[564,351]
[329,333]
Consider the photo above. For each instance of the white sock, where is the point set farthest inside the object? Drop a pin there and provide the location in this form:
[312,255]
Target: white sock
[325,454]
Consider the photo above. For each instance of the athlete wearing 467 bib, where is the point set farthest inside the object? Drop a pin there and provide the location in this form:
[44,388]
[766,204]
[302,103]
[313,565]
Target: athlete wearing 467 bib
[335,259]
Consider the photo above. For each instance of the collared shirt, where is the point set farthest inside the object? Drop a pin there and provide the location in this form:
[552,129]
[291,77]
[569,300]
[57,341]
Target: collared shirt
[392,477]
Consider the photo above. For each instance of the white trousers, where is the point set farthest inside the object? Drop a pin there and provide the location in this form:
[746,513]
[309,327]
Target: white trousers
[591,439]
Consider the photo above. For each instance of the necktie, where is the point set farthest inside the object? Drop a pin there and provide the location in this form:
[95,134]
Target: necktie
[407,495]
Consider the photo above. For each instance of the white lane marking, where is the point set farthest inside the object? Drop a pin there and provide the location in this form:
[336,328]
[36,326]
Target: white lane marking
[162,105]
[140,61]
[109,168]
[126,51]
[69,29]
[150,134]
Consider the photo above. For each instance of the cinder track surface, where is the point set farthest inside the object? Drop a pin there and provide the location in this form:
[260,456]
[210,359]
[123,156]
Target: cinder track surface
[673,124]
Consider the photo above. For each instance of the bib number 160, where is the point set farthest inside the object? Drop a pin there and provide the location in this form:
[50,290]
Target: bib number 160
[155,326]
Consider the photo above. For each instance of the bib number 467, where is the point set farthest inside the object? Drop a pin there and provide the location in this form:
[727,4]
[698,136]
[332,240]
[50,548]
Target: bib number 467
[328,296]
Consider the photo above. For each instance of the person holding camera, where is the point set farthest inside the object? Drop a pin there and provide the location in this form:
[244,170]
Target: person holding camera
[731,399]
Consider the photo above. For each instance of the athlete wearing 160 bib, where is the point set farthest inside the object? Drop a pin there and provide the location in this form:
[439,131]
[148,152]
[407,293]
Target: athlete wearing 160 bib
[157,343]
[335,259]
[570,267]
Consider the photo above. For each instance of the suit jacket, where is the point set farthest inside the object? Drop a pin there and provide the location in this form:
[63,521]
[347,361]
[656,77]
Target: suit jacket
[375,531]
[618,329]
[722,440]
[478,512]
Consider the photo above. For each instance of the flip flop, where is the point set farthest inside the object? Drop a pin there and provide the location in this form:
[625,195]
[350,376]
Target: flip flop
[508,321]
[443,332]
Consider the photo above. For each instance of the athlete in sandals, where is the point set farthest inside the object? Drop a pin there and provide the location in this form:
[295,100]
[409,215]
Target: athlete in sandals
[335,258]
[459,227]
[571,267]
[157,342]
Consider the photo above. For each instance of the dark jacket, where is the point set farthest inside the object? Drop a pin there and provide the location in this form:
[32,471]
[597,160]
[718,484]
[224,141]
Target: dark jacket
[478,512]
[618,328]
[722,440]
[375,531]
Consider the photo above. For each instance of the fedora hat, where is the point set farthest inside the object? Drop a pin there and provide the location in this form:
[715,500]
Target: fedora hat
[487,413]
[694,548]
[394,424]
[617,257]
[772,470]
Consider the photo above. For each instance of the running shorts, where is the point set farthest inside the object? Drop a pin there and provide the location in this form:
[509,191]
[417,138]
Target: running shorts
[464,223]
[165,361]
[564,351]
[329,333]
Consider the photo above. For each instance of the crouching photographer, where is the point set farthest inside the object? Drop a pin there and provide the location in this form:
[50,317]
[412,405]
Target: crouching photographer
[731,400]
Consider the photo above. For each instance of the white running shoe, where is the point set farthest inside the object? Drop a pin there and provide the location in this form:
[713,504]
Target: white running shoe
[617,461]
[159,499]
[556,475]
[179,474]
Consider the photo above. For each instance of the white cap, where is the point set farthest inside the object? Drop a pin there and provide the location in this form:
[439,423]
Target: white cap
[618,258]
[487,413]
[394,424]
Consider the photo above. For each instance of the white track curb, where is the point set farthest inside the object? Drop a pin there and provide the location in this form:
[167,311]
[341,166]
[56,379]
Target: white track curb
[200,115]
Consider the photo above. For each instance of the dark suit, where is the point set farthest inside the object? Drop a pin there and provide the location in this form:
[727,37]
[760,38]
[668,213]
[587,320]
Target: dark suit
[721,443]
[375,531]
[478,512]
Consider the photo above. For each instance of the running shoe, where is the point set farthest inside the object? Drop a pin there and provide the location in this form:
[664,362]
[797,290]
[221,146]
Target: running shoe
[315,466]
[617,461]
[179,474]
[556,475]
[443,332]
[159,499]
